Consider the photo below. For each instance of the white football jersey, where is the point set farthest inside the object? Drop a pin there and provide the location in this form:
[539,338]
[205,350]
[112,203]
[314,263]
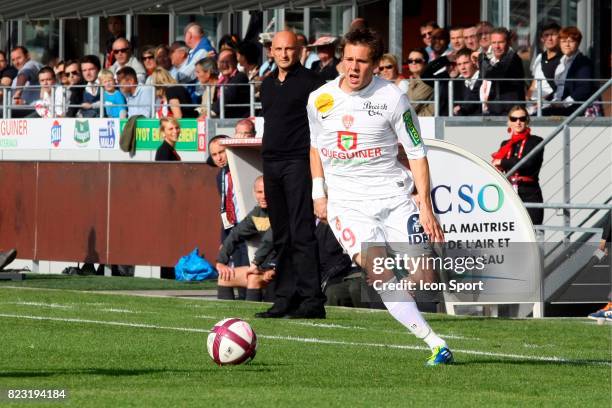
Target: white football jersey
[356,135]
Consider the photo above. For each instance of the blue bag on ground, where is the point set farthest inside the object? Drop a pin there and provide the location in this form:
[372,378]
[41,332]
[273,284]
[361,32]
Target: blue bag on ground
[193,267]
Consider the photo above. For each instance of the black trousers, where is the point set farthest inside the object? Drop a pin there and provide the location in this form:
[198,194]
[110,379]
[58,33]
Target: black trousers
[532,193]
[288,188]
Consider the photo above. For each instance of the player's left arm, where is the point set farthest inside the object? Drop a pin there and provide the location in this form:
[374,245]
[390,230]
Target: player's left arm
[406,125]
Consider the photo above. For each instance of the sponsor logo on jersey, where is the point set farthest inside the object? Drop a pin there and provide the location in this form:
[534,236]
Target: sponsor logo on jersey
[106,135]
[347,141]
[56,133]
[358,154]
[81,132]
[324,103]
[416,233]
[410,128]
[347,121]
[374,109]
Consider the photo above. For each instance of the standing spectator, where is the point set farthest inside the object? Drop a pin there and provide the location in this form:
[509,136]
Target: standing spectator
[308,55]
[427,30]
[247,55]
[233,84]
[457,40]
[124,58]
[268,66]
[546,63]
[569,94]
[245,128]
[501,62]
[162,57]
[75,89]
[139,98]
[172,98]
[526,180]
[207,74]
[470,37]
[44,105]
[90,67]
[388,69]
[149,62]
[439,43]
[417,89]
[326,51]
[24,83]
[484,29]
[228,42]
[114,101]
[467,90]
[440,69]
[170,130]
[288,185]
[181,70]
[200,46]
[116,30]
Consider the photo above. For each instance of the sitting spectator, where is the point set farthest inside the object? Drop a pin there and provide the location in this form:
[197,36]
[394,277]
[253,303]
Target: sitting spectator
[268,66]
[7,73]
[50,103]
[389,70]
[60,73]
[526,180]
[248,55]
[245,128]
[467,90]
[307,56]
[419,91]
[172,98]
[457,41]
[162,57]
[90,67]
[439,43]
[501,62]
[181,70]
[170,131]
[207,75]
[427,29]
[233,87]
[261,270]
[139,98]
[114,101]
[569,94]
[75,89]
[546,63]
[149,62]
[122,52]
[326,51]
[24,83]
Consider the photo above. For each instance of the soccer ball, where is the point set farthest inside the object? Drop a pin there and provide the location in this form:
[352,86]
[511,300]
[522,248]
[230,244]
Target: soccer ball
[231,341]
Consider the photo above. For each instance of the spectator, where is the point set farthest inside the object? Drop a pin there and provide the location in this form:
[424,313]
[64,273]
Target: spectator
[261,270]
[245,128]
[268,66]
[427,30]
[440,69]
[484,29]
[308,56]
[230,213]
[124,58]
[228,42]
[467,90]
[162,57]
[207,74]
[149,62]
[573,65]
[60,74]
[470,37]
[200,46]
[75,89]
[235,91]
[114,101]
[327,63]
[457,40]
[170,131]
[248,55]
[419,91]
[546,63]
[501,62]
[90,67]
[139,98]
[439,43]
[116,30]
[23,85]
[181,70]
[43,106]
[172,98]
[525,181]
[388,69]
[7,73]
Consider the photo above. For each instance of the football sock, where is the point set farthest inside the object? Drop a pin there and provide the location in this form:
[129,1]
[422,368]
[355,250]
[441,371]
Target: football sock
[402,307]
[254,295]
[241,293]
[225,293]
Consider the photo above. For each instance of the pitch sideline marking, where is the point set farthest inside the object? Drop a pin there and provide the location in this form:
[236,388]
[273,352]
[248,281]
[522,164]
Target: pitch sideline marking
[310,340]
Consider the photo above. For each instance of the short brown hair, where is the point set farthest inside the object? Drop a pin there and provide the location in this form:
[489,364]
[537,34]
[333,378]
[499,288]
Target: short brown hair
[571,32]
[367,37]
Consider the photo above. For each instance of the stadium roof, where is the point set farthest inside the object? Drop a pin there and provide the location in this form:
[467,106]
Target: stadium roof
[43,9]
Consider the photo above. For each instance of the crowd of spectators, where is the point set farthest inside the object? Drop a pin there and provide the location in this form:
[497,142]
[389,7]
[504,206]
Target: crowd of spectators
[192,78]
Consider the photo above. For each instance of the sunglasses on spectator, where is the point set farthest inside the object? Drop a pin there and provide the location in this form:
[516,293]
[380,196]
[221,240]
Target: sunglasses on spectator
[72,73]
[121,50]
[519,118]
[427,34]
[147,57]
[383,67]
[416,61]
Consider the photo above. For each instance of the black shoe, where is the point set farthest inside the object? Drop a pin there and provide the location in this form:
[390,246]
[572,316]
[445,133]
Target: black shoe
[7,257]
[307,314]
[270,314]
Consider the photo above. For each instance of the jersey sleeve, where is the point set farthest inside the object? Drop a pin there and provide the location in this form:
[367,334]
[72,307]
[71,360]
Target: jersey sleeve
[405,122]
[313,123]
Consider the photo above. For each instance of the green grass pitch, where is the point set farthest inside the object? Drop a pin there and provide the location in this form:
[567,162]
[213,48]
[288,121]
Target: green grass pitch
[111,350]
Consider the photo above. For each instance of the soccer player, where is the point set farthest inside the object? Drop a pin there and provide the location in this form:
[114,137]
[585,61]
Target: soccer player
[355,123]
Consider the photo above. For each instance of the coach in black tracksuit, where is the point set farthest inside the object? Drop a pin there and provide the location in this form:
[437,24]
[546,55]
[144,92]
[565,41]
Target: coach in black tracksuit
[288,184]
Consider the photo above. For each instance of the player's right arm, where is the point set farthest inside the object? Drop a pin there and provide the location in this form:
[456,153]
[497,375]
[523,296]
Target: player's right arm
[319,197]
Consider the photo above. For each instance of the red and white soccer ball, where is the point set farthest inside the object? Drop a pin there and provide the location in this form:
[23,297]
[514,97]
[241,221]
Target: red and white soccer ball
[232,341]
